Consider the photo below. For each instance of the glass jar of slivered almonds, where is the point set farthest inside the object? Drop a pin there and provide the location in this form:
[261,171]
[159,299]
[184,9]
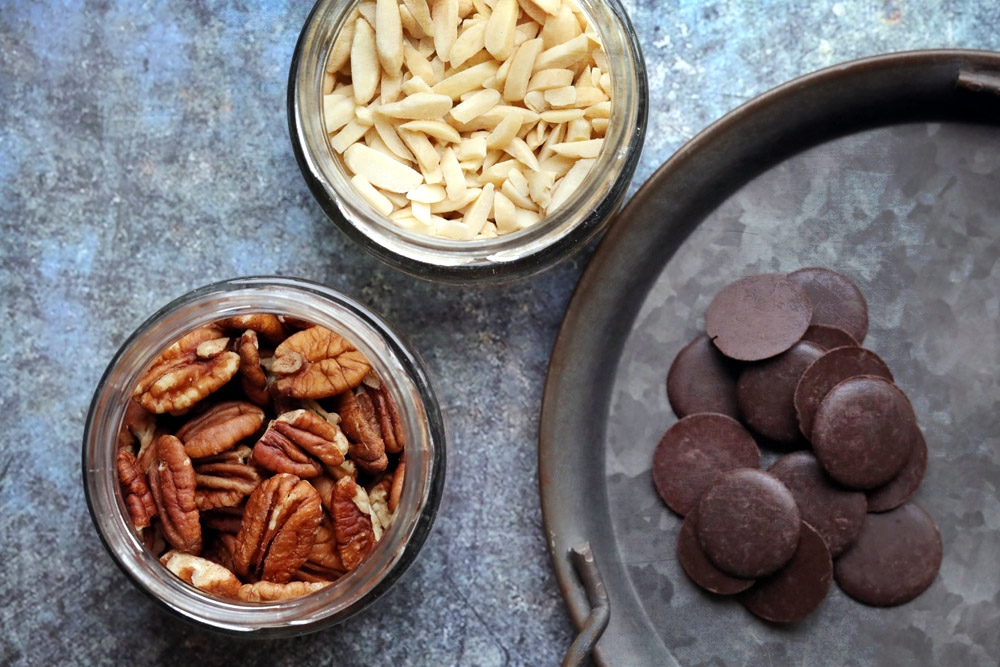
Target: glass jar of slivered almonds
[468,140]
[264,457]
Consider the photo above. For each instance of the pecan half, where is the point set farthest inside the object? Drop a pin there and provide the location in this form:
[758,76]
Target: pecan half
[138,498]
[224,483]
[202,573]
[268,326]
[351,526]
[324,559]
[386,415]
[279,528]
[360,424]
[172,482]
[190,369]
[266,591]
[317,363]
[298,442]
[138,425]
[219,428]
[253,379]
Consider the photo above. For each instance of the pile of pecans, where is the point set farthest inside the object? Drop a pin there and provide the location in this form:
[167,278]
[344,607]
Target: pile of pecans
[261,458]
[467,119]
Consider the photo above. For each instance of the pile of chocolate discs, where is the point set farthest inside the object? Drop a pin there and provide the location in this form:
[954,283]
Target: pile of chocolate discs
[781,364]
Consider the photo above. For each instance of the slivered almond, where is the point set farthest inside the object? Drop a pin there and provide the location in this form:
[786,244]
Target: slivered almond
[468,43]
[415,85]
[550,7]
[515,195]
[364,62]
[561,115]
[588,96]
[476,216]
[600,125]
[421,211]
[525,31]
[444,17]
[521,65]
[421,13]
[389,36]
[349,134]
[533,11]
[475,105]
[410,25]
[337,112]
[387,131]
[501,28]
[577,129]
[560,28]
[390,87]
[427,194]
[497,173]
[427,156]
[526,218]
[599,110]
[419,106]
[454,178]
[504,132]
[519,150]
[504,213]
[570,183]
[466,80]
[535,100]
[377,200]
[381,170]
[434,128]
[341,50]
[561,97]
[565,54]
[579,149]
[451,205]
[539,186]
[550,78]
[473,148]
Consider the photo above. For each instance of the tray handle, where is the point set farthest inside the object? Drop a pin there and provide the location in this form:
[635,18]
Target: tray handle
[600,610]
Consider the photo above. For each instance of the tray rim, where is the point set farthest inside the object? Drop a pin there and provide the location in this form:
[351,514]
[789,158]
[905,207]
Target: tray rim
[912,86]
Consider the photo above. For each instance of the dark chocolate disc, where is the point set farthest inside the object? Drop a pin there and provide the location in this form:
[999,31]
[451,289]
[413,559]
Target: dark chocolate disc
[829,337]
[835,512]
[898,491]
[766,392]
[748,524]
[702,379]
[796,590]
[836,300]
[829,370]
[758,317]
[694,452]
[698,568]
[863,432]
[897,556]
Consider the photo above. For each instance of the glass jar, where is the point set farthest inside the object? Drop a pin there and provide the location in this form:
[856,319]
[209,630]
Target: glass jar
[401,373]
[557,236]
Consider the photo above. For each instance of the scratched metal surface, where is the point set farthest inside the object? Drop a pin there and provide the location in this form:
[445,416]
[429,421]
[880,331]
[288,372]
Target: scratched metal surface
[910,214]
[144,152]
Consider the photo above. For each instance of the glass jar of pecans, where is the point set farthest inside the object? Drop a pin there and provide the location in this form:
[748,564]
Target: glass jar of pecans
[468,140]
[244,456]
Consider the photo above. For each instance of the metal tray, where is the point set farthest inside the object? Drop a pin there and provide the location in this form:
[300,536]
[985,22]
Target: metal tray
[886,169]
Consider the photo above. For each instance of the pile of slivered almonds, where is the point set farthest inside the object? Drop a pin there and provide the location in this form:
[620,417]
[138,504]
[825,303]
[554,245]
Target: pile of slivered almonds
[261,458]
[467,119]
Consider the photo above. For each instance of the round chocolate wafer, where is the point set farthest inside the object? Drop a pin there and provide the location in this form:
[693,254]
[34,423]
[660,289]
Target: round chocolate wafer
[698,568]
[766,392]
[829,337]
[863,432]
[835,512]
[694,452]
[702,379]
[897,556]
[748,524]
[832,368]
[758,317]
[835,299]
[903,485]
[797,589]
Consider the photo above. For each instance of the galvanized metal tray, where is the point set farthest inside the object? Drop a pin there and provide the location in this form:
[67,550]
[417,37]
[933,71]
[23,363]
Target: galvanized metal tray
[886,169]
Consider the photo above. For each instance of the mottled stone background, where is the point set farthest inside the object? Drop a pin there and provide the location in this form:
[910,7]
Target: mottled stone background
[144,152]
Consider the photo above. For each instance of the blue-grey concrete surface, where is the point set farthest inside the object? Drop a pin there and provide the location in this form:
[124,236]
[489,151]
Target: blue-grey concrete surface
[144,152]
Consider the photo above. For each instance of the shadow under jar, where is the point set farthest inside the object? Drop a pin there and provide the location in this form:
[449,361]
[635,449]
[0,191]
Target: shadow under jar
[556,236]
[401,376]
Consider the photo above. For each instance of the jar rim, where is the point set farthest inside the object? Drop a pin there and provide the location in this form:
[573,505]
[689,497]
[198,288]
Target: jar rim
[404,376]
[582,217]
